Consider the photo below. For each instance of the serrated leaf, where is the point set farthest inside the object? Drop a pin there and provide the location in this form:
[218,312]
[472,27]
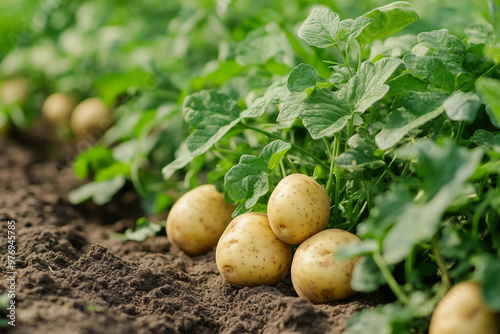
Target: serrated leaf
[100,192]
[324,113]
[368,86]
[320,28]
[302,77]
[419,111]
[489,90]
[387,20]
[462,106]
[249,179]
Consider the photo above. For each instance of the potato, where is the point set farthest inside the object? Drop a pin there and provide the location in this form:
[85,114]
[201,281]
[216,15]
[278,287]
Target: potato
[57,108]
[298,208]
[250,254]
[198,219]
[90,116]
[14,90]
[462,310]
[317,275]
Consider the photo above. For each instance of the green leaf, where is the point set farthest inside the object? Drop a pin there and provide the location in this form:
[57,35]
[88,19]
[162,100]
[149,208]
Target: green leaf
[444,172]
[392,47]
[350,29]
[324,113]
[92,160]
[292,107]
[212,115]
[263,44]
[388,207]
[431,69]
[402,85]
[320,28]
[493,52]
[462,106]
[360,155]
[100,192]
[383,319]
[116,169]
[478,33]
[365,247]
[144,229]
[366,276]
[367,87]
[387,20]
[420,111]
[489,90]
[486,139]
[276,93]
[249,179]
[440,44]
[302,77]
[488,268]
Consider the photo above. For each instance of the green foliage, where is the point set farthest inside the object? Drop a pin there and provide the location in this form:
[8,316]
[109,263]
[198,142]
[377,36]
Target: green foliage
[143,229]
[398,123]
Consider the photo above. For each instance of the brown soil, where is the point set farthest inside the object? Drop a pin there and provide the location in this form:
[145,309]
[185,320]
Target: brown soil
[73,278]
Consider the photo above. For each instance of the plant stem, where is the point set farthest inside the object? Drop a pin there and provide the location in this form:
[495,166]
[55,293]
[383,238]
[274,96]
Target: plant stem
[329,183]
[292,165]
[460,130]
[445,276]
[360,56]
[346,63]
[296,147]
[389,278]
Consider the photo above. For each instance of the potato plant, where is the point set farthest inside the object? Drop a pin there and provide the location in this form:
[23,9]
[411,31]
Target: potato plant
[394,117]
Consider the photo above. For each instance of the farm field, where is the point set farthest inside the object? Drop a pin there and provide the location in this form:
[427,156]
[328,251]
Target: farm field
[210,166]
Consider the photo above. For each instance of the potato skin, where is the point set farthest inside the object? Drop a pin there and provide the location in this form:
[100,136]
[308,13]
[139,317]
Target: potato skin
[90,115]
[198,219]
[14,90]
[250,254]
[462,310]
[316,274]
[57,108]
[298,208]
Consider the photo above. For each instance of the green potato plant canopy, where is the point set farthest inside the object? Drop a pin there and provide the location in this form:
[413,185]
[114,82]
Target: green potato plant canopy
[392,107]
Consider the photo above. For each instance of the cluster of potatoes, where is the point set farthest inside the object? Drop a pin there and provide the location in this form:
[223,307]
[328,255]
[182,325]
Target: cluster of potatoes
[85,118]
[89,116]
[256,248]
